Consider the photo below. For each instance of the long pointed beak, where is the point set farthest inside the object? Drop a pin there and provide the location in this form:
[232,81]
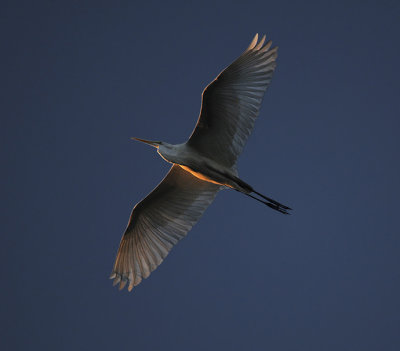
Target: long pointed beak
[152,143]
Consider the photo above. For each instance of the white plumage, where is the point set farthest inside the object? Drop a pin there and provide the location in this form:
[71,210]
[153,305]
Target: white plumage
[201,166]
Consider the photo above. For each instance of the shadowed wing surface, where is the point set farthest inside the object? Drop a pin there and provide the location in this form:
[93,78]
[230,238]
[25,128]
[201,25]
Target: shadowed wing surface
[231,103]
[158,222]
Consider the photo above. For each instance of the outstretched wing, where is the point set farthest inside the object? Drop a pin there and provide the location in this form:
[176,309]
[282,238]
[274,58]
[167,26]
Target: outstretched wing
[231,103]
[158,222]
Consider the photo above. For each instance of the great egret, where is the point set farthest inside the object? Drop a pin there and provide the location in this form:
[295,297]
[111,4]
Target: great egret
[201,167]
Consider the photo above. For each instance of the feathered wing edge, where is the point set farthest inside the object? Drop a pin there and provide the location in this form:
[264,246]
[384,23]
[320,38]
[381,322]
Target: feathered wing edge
[158,222]
[231,103]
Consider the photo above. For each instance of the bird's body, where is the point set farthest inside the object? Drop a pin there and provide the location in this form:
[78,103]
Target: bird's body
[201,167]
[197,164]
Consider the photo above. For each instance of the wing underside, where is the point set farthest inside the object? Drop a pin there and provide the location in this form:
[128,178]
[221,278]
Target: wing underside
[158,222]
[231,103]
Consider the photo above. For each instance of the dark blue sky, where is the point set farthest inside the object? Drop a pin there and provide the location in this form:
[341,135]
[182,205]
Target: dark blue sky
[80,78]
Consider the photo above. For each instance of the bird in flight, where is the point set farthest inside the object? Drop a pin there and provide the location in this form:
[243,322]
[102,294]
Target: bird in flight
[201,166]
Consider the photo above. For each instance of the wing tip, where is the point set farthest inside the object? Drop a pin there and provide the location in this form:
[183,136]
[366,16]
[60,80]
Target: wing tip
[261,45]
[123,280]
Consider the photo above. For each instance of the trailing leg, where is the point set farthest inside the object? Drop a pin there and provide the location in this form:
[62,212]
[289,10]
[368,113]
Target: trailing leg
[272,204]
[271,200]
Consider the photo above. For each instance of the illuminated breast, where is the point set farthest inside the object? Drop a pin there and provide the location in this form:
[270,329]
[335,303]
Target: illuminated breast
[199,175]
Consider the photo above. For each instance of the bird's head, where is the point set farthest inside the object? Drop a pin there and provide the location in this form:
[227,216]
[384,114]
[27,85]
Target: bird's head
[164,149]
